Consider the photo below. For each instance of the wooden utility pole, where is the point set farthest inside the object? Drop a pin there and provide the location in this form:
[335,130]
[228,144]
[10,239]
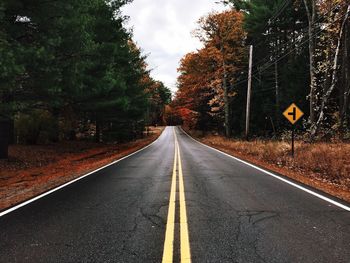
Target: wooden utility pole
[249,92]
[226,97]
[277,93]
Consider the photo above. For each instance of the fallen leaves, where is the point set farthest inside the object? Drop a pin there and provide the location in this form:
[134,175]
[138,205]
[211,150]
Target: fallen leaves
[32,170]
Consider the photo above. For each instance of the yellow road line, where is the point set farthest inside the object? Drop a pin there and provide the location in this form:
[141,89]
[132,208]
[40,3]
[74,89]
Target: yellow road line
[184,236]
[170,226]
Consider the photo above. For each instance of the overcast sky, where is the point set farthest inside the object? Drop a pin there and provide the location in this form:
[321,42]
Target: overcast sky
[162,28]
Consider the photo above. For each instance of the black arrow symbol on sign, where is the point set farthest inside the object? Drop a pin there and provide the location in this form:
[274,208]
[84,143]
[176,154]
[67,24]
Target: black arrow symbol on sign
[294,113]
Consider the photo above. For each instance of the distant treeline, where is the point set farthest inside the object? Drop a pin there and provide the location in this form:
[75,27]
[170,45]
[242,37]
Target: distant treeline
[69,69]
[301,55]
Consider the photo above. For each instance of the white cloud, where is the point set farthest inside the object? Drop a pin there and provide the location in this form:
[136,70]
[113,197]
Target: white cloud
[162,28]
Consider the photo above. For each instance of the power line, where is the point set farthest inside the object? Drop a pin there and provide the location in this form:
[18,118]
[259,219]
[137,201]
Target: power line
[334,7]
[270,63]
[278,12]
[303,43]
[263,90]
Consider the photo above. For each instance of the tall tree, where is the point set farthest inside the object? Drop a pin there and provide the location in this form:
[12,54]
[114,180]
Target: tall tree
[311,11]
[197,88]
[224,32]
[333,68]
[70,56]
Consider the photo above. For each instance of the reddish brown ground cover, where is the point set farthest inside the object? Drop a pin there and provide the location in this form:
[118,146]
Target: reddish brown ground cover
[32,170]
[325,166]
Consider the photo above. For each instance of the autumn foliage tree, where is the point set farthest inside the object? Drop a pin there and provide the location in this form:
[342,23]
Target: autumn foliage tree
[195,83]
[207,77]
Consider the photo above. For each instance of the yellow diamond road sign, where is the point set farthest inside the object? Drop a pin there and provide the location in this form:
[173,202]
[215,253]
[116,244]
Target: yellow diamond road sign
[293,113]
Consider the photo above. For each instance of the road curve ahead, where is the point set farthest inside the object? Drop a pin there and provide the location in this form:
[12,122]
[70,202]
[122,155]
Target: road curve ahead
[177,200]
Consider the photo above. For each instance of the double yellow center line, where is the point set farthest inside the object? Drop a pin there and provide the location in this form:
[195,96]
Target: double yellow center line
[170,227]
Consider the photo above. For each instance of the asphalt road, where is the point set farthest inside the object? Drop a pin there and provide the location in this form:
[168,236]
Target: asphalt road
[223,211]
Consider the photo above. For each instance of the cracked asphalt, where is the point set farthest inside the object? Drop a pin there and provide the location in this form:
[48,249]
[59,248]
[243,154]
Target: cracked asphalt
[235,214]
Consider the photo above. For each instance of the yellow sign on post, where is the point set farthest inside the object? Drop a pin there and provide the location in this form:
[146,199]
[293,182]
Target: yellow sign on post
[293,113]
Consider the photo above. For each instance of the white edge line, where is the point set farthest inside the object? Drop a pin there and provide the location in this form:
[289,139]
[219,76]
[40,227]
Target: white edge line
[73,181]
[347,208]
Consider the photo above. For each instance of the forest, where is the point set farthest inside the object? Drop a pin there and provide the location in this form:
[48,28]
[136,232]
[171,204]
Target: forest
[70,70]
[300,55]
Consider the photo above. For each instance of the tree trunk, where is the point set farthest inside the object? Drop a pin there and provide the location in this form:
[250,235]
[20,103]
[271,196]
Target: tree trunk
[226,98]
[277,87]
[345,91]
[12,131]
[55,136]
[98,131]
[227,112]
[277,93]
[311,15]
[4,138]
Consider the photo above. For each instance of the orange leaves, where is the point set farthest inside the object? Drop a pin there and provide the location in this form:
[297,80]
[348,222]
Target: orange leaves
[223,37]
[222,31]
[202,73]
[189,117]
[195,78]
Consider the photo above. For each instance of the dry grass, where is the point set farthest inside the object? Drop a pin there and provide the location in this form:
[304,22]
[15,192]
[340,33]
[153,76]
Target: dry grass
[32,170]
[325,166]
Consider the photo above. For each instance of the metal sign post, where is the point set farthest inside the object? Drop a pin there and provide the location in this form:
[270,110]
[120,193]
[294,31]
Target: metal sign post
[293,132]
[293,114]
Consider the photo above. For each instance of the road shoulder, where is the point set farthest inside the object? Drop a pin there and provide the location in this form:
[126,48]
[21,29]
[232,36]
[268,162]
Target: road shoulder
[306,177]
